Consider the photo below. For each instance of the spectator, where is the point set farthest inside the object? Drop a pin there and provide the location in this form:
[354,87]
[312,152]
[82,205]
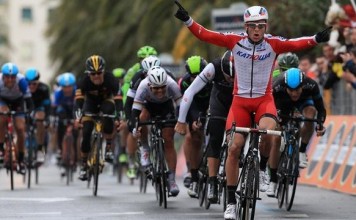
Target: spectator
[350,68]
[305,64]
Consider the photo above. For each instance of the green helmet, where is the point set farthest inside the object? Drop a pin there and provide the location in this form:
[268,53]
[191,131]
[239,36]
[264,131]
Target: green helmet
[119,73]
[195,64]
[146,51]
[288,60]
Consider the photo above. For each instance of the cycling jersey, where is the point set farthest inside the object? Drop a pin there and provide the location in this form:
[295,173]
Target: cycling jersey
[41,98]
[309,96]
[253,61]
[20,89]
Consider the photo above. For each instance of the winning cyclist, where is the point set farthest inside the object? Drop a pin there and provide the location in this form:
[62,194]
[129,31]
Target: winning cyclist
[97,91]
[221,73]
[14,96]
[42,108]
[294,90]
[194,138]
[157,95]
[254,55]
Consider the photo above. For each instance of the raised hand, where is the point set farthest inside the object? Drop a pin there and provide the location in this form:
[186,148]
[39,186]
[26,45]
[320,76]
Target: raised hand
[323,36]
[181,13]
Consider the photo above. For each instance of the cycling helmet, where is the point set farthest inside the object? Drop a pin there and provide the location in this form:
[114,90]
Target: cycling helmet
[255,13]
[95,63]
[146,51]
[227,64]
[66,79]
[293,78]
[194,65]
[119,73]
[9,69]
[157,76]
[288,60]
[32,74]
[149,62]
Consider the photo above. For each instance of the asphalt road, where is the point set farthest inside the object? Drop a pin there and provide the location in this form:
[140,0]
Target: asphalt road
[53,199]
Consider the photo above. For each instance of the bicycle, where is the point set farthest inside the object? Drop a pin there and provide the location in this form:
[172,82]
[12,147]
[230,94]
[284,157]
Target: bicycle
[31,147]
[160,170]
[288,167]
[248,180]
[96,157]
[10,161]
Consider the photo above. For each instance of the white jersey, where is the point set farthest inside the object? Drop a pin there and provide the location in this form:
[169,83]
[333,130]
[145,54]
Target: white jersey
[144,94]
[20,88]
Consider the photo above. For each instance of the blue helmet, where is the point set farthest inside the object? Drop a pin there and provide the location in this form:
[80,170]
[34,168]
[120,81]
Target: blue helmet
[32,74]
[66,79]
[293,78]
[10,69]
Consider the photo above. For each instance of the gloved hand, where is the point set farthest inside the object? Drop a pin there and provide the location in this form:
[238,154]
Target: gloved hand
[320,130]
[136,133]
[181,13]
[323,36]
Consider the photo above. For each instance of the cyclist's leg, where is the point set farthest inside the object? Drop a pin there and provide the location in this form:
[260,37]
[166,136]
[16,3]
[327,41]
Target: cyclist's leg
[40,134]
[187,139]
[144,148]
[108,107]
[88,126]
[20,142]
[266,117]
[306,131]
[61,114]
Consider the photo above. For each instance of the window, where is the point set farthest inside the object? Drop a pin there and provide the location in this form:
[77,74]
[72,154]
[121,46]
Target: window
[27,15]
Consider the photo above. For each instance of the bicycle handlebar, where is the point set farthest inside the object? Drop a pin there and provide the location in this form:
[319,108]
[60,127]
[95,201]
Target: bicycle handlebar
[154,121]
[8,113]
[255,130]
[100,115]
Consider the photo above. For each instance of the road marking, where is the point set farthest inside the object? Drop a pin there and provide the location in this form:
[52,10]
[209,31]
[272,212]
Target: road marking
[41,213]
[120,213]
[44,200]
[296,216]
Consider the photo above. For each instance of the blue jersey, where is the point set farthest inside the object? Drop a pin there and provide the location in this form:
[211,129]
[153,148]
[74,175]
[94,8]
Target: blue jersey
[65,101]
[20,89]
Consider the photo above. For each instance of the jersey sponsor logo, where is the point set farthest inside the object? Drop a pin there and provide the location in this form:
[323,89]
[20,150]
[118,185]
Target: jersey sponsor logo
[255,57]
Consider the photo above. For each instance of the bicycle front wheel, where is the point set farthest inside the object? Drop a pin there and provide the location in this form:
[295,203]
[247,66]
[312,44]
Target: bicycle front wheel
[96,166]
[281,184]
[291,181]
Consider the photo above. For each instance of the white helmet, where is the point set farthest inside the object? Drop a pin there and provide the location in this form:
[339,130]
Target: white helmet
[149,62]
[157,76]
[255,13]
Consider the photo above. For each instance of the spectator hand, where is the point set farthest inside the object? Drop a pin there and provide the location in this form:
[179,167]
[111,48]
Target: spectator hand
[323,36]
[181,13]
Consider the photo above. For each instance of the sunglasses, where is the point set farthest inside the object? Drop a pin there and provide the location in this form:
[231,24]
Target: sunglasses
[10,76]
[258,25]
[158,88]
[32,83]
[95,73]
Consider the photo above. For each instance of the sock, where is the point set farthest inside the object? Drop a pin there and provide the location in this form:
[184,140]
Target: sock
[274,177]
[231,198]
[195,175]
[21,156]
[303,147]
[172,176]
[263,163]
[108,143]
[213,179]
[2,146]
[39,147]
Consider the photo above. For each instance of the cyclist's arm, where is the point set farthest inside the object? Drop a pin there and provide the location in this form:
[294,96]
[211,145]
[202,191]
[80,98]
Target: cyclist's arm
[283,45]
[227,40]
[318,102]
[198,84]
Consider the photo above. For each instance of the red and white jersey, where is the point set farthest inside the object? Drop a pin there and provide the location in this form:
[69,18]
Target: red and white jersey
[253,62]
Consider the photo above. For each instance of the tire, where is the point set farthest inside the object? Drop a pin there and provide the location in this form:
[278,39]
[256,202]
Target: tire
[206,200]
[11,162]
[201,190]
[29,161]
[281,172]
[96,167]
[163,173]
[291,181]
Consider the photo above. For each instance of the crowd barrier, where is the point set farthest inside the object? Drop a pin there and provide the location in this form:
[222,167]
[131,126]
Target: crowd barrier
[332,157]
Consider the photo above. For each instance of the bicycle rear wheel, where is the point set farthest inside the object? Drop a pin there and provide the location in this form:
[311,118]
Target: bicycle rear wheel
[11,162]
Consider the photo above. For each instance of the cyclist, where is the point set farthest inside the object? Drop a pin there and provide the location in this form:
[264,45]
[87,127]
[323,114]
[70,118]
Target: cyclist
[97,91]
[140,75]
[286,61]
[194,138]
[254,55]
[119,73]
[157,95]
[142,53]
[14,93]
[62,109]
[42,108]
[294,90]
[221,72]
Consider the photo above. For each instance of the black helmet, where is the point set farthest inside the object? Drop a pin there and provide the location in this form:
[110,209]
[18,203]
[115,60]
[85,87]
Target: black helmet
[227,64]
[95,63]
[288,60]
